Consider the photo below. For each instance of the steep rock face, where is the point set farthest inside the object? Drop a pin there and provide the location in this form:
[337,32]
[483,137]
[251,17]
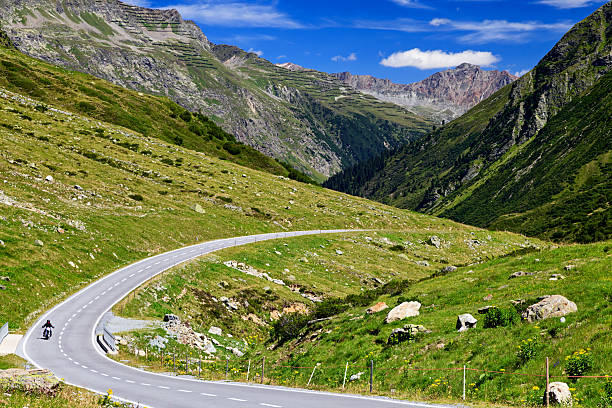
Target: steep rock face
[444,95]
[535,157]
[156,51]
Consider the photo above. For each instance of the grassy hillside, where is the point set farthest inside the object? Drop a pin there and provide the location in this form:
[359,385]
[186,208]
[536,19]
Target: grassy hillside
[148,115]
[114,196]
[506,362]
[308,119]
[521,160]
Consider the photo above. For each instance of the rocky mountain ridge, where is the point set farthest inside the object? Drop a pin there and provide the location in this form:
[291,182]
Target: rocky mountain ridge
[443,96]
[306,119]
[534,157]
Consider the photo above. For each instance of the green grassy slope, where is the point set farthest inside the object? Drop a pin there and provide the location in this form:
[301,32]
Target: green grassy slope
[149,115]
[522,159]
[118,196]
[425,368]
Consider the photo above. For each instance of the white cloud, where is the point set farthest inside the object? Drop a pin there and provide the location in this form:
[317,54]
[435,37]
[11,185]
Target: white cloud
[479,32]
[258,52]
[410,3]
[569,4]
[139,3]
[236,14]
[521,73]
[438,59]
[339,58]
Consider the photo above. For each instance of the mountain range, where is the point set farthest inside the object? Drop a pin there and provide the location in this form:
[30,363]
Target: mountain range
[308,119]
[443,96]
[534,157]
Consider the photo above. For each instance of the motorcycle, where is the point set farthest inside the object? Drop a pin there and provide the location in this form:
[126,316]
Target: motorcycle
[47,333]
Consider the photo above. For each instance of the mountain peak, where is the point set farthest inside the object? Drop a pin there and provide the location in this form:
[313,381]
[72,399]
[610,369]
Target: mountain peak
[466,65]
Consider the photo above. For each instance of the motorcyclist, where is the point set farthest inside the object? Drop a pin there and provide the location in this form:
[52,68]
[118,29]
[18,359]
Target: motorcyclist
[47,329]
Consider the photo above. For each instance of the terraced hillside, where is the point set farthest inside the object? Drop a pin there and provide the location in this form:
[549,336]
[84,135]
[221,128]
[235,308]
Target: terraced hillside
[309,120]
[534,157]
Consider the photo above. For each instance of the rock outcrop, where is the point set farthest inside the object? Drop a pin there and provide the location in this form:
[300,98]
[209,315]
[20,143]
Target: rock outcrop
[402,311]
[550,306]
[465,322]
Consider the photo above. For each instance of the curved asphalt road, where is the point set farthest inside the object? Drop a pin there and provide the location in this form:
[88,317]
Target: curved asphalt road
[73,354]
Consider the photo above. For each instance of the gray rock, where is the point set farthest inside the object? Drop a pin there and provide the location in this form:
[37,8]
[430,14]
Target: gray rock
[49,179]
[559,393]
[422,263]
[484,310]
[215,330]
[38,242]
[404,310]
[551,306]
[435,241]
[569,267]
[356,377]
[77,187]
[2,243]
[465,322]
[449,268]
[237,352]
[556,276]
[2,287]
[171,318]
[5,278]
[520,274]
[339,252]
[198,208]
[209,348]
[407,333]
[158,342]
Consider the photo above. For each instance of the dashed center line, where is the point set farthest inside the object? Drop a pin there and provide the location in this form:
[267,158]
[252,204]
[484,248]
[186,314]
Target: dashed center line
[208,395]
[115,378]
[184,391]
[237,399]
[104,375]
[130,381]
[163,387]
[145,384]
[270,405]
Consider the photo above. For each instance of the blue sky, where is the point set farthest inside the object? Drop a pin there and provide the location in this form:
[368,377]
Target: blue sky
[403,40]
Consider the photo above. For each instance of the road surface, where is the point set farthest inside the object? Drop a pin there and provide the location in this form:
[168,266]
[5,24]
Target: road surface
[73,354]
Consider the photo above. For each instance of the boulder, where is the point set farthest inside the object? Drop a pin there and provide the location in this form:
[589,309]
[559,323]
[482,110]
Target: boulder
[404,310]
[379,307]
[551,306]
[465,321]
[339,252]
[435,241]
[171,318]
[237,352]
[422,263]
[38,242]
[215,330]
[5,278]
[77,187]
[449,268]
[356,377]
[198,208]
[2,287]
[520,274]
[569,267]
[49,179]
[559,393]
[556,276]
[484,310]
[407,333]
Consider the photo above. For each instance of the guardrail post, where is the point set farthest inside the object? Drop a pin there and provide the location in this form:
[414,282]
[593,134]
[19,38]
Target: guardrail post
[174,362]
[345,370]
[547,384]
[249,370]
[200,367]
[263,368]
[162,357]
[312,374]
[371,375]
[187,363]
[464,382]
[226,367]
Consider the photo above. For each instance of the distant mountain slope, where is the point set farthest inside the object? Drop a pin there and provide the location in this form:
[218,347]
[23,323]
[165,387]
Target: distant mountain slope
[535,157]
[443,96]
[306,119]
[149,115]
